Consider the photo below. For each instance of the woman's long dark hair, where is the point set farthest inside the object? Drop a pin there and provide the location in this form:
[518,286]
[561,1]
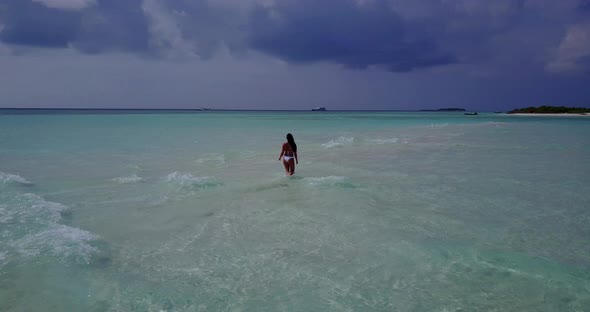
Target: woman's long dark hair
[291,142]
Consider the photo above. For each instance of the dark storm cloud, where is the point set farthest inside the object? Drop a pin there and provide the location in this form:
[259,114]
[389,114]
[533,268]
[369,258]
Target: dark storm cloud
[343,32]
[29,23]
[584,5]
[138,26]
[201,26]
[395,35]
[108,25]
[113,25]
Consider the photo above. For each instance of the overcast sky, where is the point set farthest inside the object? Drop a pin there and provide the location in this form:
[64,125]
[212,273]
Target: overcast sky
[294,54]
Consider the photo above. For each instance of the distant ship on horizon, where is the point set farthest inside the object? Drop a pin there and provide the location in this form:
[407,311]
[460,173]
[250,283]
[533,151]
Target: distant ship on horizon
[318,109]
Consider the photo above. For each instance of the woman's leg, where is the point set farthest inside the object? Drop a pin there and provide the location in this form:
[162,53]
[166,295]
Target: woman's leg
[287,169]
[291,166]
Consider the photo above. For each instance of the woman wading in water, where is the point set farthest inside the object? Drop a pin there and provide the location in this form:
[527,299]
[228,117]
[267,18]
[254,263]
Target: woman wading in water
[289,155]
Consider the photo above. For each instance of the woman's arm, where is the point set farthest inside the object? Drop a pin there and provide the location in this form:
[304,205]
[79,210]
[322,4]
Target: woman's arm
[296,160]
[282,152]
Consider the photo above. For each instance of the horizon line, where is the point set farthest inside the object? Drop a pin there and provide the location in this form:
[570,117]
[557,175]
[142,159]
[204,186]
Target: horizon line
[225,109]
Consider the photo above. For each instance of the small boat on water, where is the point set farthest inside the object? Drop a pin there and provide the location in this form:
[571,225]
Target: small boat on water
[318,109]
[471,114]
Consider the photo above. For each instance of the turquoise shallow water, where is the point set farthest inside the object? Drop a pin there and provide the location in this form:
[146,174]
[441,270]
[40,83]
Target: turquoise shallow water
[386,212]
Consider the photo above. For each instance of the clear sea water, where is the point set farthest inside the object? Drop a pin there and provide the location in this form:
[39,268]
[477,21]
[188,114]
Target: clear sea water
[386,212]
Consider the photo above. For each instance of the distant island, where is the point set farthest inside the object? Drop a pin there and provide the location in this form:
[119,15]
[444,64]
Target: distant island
[451,109]
[550,110]
[319,109]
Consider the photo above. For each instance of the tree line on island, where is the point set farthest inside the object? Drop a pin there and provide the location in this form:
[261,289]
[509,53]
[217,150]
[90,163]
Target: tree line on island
[550,110]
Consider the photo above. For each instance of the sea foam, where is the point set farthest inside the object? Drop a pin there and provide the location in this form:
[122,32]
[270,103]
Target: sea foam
[129,179]
[385,141]
[328,180]
[188,180]
[26,208]
[212,158]
[339,142]
[3,258]
[33,227]
[59,240]
[5,216]
[13,178]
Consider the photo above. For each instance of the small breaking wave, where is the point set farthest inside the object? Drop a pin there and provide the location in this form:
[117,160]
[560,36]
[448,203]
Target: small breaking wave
[188,180]
[57,240]
[212,158]
[13,178]
[4,214]
[130,179]
[324,180]
[178,185]
[341,141]
[3,259]
[31,226]
[385,141]
[329,181]
[439,125]
[28,208]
